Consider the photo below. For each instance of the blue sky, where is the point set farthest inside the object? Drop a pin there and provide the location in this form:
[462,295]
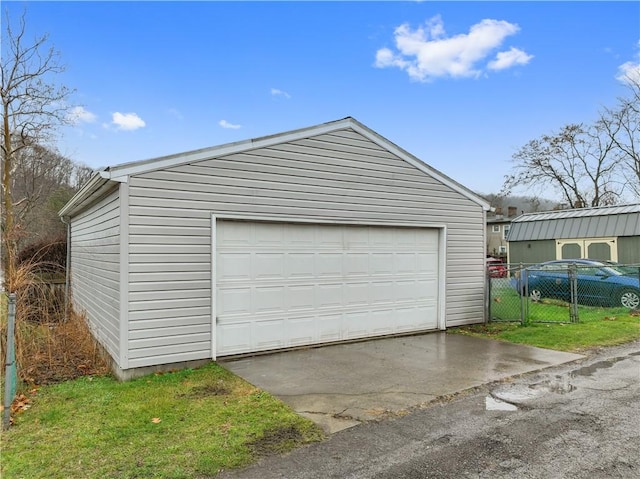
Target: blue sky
[461,85]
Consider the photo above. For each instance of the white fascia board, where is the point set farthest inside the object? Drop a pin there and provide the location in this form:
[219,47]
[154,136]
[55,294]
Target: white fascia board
[412,160]
[95,183]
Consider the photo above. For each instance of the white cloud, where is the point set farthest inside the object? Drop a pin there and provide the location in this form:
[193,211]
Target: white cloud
[226,124]
[511,57]
[629,72]
[427,52]
[127,121]
[78,114]
[276,92]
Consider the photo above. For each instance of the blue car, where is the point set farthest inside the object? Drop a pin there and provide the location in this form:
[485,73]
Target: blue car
[596,283]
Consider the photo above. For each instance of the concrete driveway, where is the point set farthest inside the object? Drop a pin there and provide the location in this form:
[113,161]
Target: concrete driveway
[342,385]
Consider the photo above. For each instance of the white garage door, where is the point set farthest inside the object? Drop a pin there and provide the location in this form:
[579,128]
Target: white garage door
[282,285]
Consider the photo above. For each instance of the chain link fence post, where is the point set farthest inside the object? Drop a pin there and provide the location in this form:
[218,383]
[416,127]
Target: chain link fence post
[524,297]
[488,282]
[573,288]
[10,378]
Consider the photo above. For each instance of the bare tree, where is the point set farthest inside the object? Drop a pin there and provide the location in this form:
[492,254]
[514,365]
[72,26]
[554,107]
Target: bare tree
[578,162]
[588,165]
[33,107]
[622,126]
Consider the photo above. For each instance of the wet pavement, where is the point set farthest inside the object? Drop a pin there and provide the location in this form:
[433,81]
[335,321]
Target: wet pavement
[573,421]
[343,385]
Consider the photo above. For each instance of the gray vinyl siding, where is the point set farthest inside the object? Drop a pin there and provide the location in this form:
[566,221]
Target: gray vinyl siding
[95,269]
[339,176]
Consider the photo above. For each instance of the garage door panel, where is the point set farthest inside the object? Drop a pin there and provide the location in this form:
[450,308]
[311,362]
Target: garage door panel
[268,266]
[329,328]
[356,264]
[382,292]
[406,263]
[268,299]
[428,262]
[302,331]
[406,290]
[329,237]
[356,293]
[285,285]
[430,288]
[236,337]
[235,234]
[234,301]
[269,334]
[356,238]
[381,237]
[300,265]
[381,263]
[234,266]
[406,237]
[409,319]
[329,264]
[270,235]
[380,322]
[302,237]
[329,295]
[301,297]
[356,325]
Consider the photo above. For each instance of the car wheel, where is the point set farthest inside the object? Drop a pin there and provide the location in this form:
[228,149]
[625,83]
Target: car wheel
[629,298]
[535,295]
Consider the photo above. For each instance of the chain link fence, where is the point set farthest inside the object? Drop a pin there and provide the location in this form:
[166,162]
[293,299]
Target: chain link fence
[560,291]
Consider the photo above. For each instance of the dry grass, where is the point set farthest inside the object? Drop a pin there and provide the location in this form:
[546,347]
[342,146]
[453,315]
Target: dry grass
[49,347]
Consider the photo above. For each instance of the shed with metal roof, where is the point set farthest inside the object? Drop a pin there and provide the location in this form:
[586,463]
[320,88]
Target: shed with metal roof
[604,233]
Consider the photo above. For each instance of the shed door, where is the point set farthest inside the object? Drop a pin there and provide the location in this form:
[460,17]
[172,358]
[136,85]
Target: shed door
[281,285]
[603,249]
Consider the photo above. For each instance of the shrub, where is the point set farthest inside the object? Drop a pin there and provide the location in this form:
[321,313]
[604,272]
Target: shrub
[49,346]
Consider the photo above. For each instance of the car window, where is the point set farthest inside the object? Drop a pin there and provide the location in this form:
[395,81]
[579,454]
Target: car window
[612,271]
[590,271]
[554,267]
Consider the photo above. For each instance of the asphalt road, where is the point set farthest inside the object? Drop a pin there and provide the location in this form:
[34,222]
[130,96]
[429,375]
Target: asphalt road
[579,420]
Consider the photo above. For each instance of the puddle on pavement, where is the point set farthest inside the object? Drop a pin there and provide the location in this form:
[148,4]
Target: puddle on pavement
[592,368]
[522,394]
[519,395]
[559,385]
[507,400]
[493,404]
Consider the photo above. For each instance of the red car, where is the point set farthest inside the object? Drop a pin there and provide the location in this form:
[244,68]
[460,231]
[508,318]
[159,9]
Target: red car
[496,268]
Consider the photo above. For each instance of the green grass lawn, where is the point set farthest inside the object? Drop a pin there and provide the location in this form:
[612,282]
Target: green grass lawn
[185,424]
[194,423]
[597,326]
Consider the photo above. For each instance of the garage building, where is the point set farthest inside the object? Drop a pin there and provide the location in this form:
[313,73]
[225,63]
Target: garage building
[324,234]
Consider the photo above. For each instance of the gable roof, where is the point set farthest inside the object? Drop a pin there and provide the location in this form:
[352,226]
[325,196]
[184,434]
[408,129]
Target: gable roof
[593,222]
[105,179]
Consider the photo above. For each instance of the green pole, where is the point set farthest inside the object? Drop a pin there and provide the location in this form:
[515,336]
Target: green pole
[10,378]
